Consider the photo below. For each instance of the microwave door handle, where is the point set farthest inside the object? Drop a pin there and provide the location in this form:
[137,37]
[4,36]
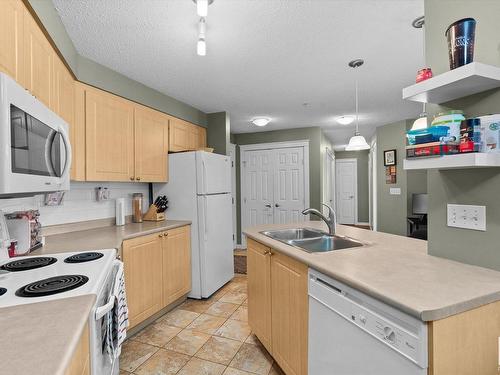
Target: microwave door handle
[49,144]
[67,145]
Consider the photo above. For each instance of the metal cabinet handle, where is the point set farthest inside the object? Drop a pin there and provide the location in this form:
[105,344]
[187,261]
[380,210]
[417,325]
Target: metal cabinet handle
[268,252]
[131,178]
[165,234]
[160,235]
[138,178]
[268,205]
[276,205]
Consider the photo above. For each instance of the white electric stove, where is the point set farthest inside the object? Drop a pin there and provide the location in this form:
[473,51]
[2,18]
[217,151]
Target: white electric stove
[32,279]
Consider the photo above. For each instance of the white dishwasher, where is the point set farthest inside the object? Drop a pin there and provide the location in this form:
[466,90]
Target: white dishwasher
[351,333]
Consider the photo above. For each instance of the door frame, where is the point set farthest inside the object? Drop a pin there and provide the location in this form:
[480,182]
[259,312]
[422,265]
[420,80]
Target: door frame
[373,206]
[329,185]
[232,152]
[270,146]
[349,160]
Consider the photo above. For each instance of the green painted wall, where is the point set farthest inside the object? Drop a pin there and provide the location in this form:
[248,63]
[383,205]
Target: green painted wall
[392,209]
[313,134]
[218,133]
[475,186]
[363,189]
[104,78]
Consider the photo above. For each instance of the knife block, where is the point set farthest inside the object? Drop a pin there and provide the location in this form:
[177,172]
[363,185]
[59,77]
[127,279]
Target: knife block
[152,215]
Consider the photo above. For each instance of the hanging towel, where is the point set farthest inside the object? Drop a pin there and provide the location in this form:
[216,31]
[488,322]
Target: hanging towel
[117,318]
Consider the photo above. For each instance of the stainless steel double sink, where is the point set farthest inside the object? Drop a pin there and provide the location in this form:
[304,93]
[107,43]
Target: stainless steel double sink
[312,240]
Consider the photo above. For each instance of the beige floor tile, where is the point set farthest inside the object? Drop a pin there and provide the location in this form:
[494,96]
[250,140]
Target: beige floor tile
[235,371]
[252,339]
[222,309]
[217,295]
[179,318]
[157,334]
[187,342]
[240,314]
[276,370]
[252,358]
[219,349]
[135,354]
[122,372]
[234,329]
[245,303]
[234,297]
[163,362]
[198,306]
[198,366]
[207,323]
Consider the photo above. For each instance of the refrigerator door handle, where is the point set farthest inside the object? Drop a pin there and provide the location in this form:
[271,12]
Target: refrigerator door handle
[205,208]
[204,176]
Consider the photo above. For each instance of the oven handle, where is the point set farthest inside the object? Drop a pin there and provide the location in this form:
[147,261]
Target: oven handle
[103,310]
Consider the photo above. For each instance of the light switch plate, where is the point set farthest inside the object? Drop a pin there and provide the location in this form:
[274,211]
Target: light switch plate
[395,191]
[467,216]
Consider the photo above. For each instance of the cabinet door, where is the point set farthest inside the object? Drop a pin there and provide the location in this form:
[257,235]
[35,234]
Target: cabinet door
[80,362]
[77,134]
[202,137]
[142,259]
[178,136]
[259,291]
[109,128]
[12,39]
[176,264]
[151,145]
[63,102]
[193,141]
[38,61]
[289,314]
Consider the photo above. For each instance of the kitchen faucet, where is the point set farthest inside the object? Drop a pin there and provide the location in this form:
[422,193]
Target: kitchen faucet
[330,220]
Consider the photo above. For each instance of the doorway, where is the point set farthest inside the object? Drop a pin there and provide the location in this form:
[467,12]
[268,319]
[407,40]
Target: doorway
[274,183]
[329,179]
[346,177]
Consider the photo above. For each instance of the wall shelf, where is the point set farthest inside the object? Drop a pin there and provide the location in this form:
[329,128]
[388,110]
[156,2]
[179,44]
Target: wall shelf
[461,161]
[469,79]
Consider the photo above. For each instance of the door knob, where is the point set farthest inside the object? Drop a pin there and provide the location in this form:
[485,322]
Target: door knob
[276,205]
[268,205]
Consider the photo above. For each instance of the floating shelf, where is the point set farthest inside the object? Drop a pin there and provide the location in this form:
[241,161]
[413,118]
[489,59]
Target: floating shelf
[461,161]
[458,83]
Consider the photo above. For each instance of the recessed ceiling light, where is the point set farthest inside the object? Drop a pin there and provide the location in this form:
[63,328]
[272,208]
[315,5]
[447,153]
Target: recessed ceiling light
[345,120]
[260,121]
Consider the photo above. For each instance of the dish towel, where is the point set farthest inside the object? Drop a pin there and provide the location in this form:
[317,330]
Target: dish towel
[117,318]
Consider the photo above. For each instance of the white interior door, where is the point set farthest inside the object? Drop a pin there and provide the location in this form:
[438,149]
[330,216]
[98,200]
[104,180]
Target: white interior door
[289,185]
[347,188]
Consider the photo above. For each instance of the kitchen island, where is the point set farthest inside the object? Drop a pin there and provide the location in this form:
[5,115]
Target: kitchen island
[458,301]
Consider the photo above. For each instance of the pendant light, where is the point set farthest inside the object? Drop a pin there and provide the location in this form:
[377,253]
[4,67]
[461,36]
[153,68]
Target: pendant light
[357,142]
[421,122]
[201,46]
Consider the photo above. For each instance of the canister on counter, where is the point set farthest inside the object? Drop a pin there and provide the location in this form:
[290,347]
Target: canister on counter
[137,200]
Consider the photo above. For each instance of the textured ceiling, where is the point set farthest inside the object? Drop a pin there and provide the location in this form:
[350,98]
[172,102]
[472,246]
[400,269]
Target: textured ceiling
[264,57]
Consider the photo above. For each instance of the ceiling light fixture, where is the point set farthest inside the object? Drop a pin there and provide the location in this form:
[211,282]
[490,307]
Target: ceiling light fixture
[260,121]
[421,122]
[345,120]
[202,7]
[357,142]
[201,46]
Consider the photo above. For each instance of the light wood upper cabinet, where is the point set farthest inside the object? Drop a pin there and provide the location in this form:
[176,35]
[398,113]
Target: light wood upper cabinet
[80,361]
[109,134]
[38,57]
[63,98]
[151,145]
[176,258]
[259,291]
[142,259]
[12,39]
[185,136]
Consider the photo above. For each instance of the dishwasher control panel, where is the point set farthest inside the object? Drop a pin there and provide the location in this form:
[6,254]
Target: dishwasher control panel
[402,332]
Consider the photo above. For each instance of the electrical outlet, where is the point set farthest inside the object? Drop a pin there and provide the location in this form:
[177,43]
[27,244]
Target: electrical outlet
[467,216]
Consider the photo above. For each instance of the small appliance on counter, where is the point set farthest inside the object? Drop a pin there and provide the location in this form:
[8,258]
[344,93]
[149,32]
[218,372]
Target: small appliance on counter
[25,228]
[156,211]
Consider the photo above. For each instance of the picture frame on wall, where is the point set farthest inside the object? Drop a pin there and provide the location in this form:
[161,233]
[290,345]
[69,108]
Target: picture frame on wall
[390,158]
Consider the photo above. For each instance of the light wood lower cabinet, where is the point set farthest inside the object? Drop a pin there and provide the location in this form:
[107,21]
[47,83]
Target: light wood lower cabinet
[278,306]
[142,259]
[80,361]
[176,259]
[157,271]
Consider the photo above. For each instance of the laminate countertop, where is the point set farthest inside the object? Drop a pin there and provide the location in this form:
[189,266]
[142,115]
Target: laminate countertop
[397,270]
[106,237]
[40,338]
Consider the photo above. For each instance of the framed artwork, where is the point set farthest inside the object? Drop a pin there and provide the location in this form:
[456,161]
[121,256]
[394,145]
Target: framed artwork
[389,158]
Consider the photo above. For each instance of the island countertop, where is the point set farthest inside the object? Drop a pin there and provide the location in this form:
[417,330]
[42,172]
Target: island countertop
[396,270]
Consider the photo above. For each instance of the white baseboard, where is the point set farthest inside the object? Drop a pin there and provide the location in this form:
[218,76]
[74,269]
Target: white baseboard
[362,223]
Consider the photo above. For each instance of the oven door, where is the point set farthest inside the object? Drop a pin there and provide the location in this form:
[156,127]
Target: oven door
[36,147]
[101,363]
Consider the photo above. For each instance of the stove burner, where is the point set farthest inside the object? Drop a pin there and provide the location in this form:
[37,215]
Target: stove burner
[83,257]
[28,264]
[3,291]
[52,285]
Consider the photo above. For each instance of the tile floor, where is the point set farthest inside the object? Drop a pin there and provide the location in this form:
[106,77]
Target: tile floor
[208,337]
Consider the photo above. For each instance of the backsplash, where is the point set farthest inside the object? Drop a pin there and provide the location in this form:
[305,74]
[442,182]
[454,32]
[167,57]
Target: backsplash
[79,203]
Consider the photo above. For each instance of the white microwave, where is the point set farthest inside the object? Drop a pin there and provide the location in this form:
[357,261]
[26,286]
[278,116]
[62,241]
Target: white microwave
[35,152]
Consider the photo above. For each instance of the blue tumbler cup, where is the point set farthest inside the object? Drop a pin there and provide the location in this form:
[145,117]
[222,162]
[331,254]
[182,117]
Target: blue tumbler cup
[460,35]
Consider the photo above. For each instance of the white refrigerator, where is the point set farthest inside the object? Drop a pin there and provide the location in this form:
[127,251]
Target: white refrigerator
[199,190]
